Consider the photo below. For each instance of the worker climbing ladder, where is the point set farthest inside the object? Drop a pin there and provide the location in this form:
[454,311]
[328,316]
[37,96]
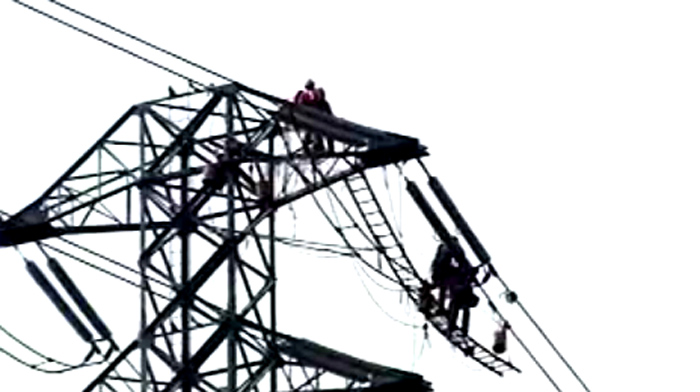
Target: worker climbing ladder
[394,255]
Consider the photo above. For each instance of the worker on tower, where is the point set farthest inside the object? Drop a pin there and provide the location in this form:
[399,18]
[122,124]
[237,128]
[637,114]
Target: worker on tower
[461,286]
[215,172]
[455,279]
[314,97]
[462,295]
[440,271]
[214,175]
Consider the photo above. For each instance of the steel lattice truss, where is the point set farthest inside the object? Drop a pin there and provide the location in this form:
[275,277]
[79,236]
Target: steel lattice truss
[207,306]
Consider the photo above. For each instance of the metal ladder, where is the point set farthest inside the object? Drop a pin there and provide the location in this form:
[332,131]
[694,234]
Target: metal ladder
[393,252]
[437,316]
[386,241]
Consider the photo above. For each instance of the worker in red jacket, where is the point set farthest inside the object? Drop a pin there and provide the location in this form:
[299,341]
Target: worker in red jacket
[314,97]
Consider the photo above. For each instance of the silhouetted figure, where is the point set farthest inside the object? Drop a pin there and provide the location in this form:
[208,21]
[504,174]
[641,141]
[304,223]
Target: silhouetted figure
[214,173]
[424,298]
[461,286]
[440,271]
[232,149]
[323,102]
[314,97]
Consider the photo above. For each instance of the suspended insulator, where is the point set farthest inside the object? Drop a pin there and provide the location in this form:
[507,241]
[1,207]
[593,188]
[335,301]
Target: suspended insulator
[428,211]
[499,339]
[79,299]
[60,304]
[459,220]
[437,224]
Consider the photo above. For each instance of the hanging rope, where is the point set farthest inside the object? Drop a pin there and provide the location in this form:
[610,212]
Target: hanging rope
[355,251]
[380,306]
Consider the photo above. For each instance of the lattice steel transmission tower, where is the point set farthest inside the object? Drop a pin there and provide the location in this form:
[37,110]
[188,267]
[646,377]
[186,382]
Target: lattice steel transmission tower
[193,177]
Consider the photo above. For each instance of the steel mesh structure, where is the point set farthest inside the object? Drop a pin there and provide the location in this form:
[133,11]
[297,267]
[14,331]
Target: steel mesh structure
[193,177]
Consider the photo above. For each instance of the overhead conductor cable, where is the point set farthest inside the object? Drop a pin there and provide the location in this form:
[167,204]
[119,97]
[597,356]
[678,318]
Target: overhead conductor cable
[137,39]
[104,41]
[484,257]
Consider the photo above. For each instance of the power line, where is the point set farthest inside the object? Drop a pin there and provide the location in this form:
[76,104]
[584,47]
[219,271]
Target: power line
[46,358]
[522,344]
[137,39]
[380,306]
[113,45]
[360,258]
[169,70]
[339,230]
[399,289]
[495,273]
[31,349]
[339,250]
[110,260]
[539,329]
[100,269]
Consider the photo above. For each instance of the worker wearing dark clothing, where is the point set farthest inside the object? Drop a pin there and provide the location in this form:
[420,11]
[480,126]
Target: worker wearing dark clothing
[440,271]
[214,174]
[463,298]
[455,278]
[425,299]
[322,103]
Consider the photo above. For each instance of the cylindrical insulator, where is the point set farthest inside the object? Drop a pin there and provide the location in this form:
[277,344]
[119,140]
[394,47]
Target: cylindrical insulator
[459,220]
[428,211]
[60,304]
[79,299]
[499,341]
[437,224]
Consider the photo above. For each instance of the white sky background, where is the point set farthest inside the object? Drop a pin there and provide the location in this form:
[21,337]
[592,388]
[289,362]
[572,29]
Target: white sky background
[565,133]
